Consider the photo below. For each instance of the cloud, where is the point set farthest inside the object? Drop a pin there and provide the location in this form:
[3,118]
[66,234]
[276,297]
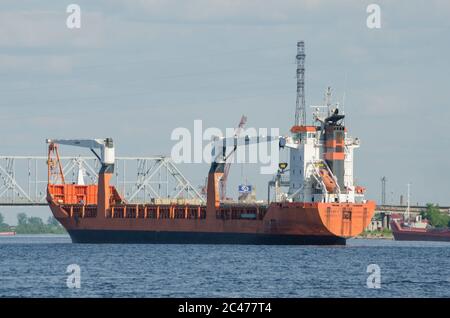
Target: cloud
[47,29]
[226,11]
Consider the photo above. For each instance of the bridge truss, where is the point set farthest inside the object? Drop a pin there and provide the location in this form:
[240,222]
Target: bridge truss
[23,179]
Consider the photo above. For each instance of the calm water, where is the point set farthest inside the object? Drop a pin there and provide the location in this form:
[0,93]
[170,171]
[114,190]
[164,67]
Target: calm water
[33,266]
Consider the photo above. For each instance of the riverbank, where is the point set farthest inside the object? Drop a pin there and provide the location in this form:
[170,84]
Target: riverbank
[377,234]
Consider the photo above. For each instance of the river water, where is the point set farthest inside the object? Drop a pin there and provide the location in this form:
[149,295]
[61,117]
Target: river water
[35,266]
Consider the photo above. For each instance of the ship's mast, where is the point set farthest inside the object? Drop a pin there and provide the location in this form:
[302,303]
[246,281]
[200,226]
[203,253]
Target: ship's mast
[407,206]
[300,111]
[328,99]
[383,190]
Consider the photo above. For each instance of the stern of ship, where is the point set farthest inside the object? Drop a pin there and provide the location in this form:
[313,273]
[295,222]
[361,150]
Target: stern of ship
[319,223]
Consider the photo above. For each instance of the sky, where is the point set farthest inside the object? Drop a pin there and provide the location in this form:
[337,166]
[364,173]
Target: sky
[136,70]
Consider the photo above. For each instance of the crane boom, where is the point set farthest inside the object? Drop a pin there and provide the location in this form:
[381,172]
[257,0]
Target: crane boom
[221,144]
[106,146]
[223,180]
[86,143]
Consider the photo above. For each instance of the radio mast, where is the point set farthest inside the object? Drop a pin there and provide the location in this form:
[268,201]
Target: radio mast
[300,111]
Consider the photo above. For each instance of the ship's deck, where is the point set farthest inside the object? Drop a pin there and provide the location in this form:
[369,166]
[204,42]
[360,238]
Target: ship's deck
[168,211]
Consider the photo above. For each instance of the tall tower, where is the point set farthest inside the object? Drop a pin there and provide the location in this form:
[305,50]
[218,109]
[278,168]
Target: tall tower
[383,190]
[300,111]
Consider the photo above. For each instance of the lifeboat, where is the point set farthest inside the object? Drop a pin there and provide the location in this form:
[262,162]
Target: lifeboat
[328,180]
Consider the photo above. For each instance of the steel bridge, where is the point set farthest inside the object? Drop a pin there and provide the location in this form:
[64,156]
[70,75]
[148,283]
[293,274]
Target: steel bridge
[400,209]
[23,179]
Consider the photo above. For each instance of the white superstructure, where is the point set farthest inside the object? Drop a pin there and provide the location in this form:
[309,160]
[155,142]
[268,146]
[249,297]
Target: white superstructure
[320,167]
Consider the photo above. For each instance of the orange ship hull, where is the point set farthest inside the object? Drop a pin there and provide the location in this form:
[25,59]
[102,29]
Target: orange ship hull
[276,223]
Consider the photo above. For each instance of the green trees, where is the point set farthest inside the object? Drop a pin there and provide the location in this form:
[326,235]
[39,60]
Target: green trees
[54,227]
[29,225]
[33,225]
[3,226]
[21,219]
[435,217]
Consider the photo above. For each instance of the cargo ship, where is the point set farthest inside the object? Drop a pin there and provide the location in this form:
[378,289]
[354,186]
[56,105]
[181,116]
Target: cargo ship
[316,201]
[321,206]
[408,228]
[418,231]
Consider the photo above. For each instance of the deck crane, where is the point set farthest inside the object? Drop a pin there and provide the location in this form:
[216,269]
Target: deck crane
[106,146]
[226,170]
[106,158]
[219,158]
